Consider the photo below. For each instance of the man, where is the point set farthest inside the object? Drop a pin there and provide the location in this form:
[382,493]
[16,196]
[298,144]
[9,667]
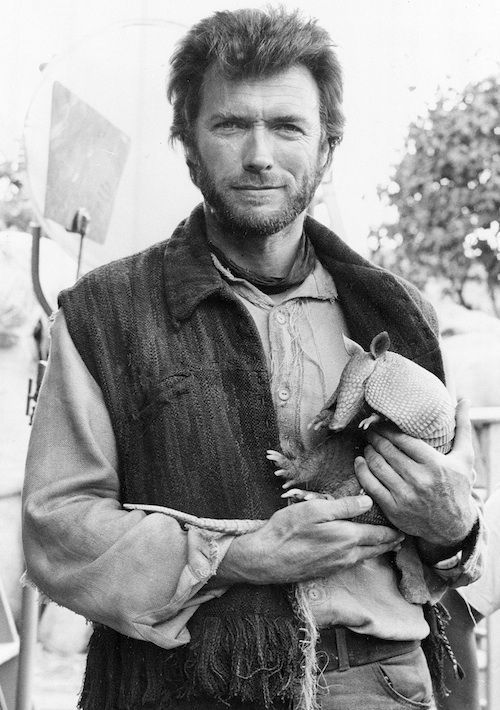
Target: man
[173,371]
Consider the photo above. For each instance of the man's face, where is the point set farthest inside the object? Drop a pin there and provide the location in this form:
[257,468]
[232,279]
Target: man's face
[258,156]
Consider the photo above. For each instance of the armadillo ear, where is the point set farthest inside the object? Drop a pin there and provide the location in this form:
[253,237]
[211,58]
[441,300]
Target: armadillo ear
[352,348]
[380,344]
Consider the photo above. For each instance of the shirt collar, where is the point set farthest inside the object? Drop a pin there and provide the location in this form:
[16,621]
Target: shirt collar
[317,285]
[371,298]
[191,275]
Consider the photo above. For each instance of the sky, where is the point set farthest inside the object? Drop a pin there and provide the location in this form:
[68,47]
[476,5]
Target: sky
[395,54]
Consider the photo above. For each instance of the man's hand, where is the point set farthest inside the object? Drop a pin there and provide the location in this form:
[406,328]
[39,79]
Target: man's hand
[306,540]
[421,491]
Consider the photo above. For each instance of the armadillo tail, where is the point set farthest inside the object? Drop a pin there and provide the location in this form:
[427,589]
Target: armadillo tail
[229,527]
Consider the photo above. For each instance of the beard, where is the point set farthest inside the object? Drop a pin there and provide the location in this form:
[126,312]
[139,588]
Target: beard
[249,222]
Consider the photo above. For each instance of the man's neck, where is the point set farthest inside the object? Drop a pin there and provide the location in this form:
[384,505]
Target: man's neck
[268,256]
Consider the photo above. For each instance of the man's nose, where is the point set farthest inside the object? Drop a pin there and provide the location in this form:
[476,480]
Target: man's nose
[258,150]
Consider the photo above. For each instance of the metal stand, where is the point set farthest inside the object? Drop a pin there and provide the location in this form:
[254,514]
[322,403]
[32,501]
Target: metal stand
[27,649]
[34,389]
[9,650]
[80,225]
[36,233]
[29,609]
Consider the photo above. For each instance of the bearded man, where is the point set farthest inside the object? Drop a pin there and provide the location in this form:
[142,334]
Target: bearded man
[174,370]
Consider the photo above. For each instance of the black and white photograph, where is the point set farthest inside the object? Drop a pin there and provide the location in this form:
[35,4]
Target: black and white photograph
[249,355]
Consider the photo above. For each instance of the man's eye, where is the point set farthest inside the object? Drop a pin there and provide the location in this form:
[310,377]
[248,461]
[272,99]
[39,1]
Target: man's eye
[229,125]
[287,128]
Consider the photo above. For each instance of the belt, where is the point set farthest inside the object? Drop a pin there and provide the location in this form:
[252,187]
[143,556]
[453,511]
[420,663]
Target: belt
[342,648]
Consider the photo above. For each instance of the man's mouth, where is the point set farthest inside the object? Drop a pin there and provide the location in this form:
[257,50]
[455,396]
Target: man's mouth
[257,187]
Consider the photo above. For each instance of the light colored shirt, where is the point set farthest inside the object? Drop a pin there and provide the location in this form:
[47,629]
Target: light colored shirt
[143,575]
[303,332]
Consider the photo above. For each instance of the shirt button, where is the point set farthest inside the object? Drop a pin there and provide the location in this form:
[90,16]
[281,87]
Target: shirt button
[284,394]
[281,318]
[313,594]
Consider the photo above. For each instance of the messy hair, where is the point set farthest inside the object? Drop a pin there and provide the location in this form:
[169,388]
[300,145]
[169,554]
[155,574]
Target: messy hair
[252,43]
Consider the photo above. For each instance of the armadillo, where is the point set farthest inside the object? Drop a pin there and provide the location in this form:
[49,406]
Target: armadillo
[396,389]
[373,386]
[385,386]
[382,385]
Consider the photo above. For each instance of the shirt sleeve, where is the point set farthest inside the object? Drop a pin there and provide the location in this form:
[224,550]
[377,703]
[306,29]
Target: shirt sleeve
[465,567]
[142,575]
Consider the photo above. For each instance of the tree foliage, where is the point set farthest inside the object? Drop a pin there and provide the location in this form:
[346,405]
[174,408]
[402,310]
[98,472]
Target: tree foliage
[445,195]
[15,208]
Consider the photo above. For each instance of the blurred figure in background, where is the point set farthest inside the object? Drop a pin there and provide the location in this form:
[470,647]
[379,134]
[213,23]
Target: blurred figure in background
[467,606]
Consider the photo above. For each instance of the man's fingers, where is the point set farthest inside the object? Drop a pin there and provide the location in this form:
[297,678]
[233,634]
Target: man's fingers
[369,482]
[396,447]
[368,552]
[349,507]
[381,469]
[463,432]
[323,511]
[376,535]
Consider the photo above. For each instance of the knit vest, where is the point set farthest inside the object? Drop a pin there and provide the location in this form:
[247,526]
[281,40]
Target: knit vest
[184,378]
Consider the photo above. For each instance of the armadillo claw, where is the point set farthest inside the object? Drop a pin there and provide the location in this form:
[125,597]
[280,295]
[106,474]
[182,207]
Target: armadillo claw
[320,420]
[316,424]
[294,493]
[372,419]
[298,494]
[273,455]
[278,458]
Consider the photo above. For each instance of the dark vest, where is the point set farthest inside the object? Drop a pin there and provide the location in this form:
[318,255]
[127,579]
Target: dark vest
[184,377]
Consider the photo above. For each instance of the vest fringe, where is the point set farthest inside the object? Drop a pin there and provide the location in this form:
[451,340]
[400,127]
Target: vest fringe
[236,661]
[437,648]
[243,660]
[307,695]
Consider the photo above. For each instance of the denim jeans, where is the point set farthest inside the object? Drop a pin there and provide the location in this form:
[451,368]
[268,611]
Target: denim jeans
[398,683]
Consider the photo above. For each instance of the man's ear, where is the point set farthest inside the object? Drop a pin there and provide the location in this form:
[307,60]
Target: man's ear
[327,150]
[332,144]
[192,162]
[325,155]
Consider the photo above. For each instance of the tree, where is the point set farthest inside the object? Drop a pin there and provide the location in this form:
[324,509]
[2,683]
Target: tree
[445,196]
[15,209]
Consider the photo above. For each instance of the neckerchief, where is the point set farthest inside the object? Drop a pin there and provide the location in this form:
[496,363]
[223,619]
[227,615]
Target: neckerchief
[303,265]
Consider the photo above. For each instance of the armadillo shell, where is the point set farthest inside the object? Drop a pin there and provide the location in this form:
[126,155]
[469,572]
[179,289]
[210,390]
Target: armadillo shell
[412,398]
[442,444]
[374,516]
